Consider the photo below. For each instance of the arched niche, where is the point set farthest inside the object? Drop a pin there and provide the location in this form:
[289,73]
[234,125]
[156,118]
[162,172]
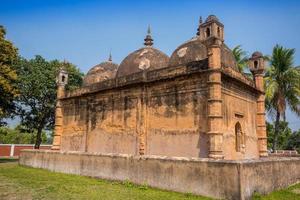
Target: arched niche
[239,138]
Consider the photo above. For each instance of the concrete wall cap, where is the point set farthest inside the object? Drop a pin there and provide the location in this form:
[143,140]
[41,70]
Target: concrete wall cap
[166,158]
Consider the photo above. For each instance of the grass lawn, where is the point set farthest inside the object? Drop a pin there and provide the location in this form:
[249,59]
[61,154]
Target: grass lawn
[291,193]
[25,183]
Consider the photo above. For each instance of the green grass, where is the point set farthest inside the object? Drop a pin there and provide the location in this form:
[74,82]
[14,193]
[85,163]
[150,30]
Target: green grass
[291,193]
[17,182]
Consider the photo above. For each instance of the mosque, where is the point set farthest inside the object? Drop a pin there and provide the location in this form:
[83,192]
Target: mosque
[191,122]
[193,104]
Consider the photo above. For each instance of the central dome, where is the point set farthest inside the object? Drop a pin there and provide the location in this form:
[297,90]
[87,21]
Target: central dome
[146,58]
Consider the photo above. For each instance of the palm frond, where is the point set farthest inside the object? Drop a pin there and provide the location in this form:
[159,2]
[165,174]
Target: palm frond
[241,57]
[282,81]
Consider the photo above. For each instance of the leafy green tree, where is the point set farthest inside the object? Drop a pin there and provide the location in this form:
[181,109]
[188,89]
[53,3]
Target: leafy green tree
[37,86]
[286,139]
[8,76]
[282,138]
[282,86]
[18,136]
[293,142]
[241,58]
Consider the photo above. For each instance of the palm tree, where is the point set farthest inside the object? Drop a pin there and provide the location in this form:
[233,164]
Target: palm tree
[241,58]
[282,86]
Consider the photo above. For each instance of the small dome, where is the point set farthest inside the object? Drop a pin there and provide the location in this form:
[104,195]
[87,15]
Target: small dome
[196,50]
[101,72]
[192,50]
[146,58]
[257,54]
[211,18]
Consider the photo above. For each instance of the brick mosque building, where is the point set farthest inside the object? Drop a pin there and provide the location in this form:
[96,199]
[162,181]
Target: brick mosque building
[193,104]
[189,123]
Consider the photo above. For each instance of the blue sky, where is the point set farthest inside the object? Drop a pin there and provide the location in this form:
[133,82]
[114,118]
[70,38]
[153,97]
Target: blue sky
[83,32]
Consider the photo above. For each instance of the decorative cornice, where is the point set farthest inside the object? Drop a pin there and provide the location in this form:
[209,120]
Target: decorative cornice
[145,77]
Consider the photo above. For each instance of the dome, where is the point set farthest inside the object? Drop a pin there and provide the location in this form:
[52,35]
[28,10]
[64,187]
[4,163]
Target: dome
[192,50]
[196,50]
[257,54]
[211,18]
[227,57]
[101,72]
[146,58]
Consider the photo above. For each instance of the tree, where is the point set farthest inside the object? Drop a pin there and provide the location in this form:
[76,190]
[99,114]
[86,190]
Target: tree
[18,136]
[293,142]
[8,76]
[241,58]
[283,136]
[286,139]
[37,86]
[282,86]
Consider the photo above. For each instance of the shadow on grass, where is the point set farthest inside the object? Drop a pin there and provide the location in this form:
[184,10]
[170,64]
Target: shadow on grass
[7,160]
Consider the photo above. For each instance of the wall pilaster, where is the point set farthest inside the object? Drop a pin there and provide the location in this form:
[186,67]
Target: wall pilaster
[260,117]
[142,127]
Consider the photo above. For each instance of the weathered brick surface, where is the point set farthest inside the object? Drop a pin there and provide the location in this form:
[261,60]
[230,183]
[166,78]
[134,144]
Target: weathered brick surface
[164,113]
[196,105]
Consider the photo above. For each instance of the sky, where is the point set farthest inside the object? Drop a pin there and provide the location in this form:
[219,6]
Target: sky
[85,31]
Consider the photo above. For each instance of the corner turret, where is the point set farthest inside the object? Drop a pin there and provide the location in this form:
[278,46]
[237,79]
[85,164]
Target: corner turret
[61,81]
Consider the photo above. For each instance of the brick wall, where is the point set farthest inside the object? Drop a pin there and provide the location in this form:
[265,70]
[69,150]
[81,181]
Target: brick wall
[13,150]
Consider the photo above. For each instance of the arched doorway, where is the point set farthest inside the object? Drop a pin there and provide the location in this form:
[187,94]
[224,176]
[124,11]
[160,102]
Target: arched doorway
[207,32]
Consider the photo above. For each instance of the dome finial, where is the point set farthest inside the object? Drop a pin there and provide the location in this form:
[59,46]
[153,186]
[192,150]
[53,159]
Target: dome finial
[149,30]
[110,57]
[200,20]
[148,40]
[65,63]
